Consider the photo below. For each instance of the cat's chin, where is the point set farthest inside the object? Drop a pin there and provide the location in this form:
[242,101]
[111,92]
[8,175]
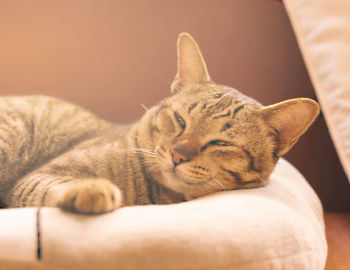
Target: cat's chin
[190,188]
[172,177]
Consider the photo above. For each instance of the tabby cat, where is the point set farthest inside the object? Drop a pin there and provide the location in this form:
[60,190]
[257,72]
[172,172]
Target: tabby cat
[204,138]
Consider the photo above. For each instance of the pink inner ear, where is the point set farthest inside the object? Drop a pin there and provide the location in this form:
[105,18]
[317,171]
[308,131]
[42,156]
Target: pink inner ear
[188,65]
[290,132]
[290,119]
[294,120]
[185,67]
[191,65]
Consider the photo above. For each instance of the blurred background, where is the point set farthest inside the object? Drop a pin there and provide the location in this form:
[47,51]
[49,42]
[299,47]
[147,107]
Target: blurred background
[112,56]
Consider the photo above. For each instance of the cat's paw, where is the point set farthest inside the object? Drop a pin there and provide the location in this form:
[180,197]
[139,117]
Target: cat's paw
[91,197]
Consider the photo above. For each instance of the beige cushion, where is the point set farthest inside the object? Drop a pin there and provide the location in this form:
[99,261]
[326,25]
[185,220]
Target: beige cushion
[322,29]
[279,226]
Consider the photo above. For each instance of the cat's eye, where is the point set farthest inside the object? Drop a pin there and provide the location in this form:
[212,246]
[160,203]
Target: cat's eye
[180,120]
[219,143]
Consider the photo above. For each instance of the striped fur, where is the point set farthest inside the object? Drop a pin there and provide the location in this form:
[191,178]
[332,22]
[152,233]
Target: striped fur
[203,138]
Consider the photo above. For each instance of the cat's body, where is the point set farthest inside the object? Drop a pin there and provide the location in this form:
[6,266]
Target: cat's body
[57,143]
[204,138]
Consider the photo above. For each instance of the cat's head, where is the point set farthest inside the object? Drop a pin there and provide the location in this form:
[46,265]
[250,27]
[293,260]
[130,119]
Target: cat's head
[208,137]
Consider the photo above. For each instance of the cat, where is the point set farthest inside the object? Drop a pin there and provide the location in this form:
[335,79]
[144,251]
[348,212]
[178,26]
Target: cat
[203,138]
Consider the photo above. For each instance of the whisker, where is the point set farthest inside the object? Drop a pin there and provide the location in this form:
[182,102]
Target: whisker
[218,184]
[150,165]
[143,106]
[148,155]
[144,150]
[182,96]
[149,143]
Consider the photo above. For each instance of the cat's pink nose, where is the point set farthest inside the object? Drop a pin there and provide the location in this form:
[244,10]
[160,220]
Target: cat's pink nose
[182,151]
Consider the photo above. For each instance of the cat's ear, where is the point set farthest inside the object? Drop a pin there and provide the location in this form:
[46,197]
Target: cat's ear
[288,120]
[191,67]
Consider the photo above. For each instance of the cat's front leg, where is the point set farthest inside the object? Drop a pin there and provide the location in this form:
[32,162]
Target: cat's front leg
[91,196]
[80,195]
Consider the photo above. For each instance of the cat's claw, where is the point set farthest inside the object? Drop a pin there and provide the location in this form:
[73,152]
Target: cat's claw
[91,197]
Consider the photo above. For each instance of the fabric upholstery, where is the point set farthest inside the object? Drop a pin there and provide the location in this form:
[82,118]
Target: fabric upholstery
[322,29]
[279,226]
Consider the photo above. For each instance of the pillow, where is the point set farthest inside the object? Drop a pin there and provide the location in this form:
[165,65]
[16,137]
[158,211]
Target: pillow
[279,226]
[322,28]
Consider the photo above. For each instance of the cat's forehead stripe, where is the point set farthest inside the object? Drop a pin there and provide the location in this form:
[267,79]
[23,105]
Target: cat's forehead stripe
[227,114]
[218,95]
[237,110]
[194,105]
[219,106]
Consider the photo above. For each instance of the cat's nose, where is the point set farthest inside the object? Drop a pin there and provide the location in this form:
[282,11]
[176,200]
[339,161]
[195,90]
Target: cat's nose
[182,151]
